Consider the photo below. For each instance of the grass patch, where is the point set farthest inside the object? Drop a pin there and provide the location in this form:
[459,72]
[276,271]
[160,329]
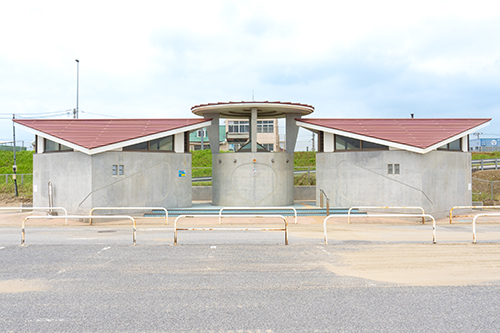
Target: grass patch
[485,156]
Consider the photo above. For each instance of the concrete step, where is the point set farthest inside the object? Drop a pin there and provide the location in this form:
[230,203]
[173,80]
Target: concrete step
[284,212]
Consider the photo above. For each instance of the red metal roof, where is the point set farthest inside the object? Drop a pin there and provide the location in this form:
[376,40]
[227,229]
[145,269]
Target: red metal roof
[93,133]
[417,132]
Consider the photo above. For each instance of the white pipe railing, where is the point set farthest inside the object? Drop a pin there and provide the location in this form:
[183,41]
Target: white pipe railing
[386,215]
[474,224]
[256,208]
[34,208]
[131,208]
[250,229]
[80,217]
[383,207]
[469,207]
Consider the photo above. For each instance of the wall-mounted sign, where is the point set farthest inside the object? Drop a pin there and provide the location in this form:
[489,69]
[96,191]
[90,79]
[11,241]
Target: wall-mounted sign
[182,173]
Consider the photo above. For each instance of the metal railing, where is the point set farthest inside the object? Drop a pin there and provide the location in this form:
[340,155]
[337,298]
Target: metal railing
[474,224]
[386,207]
[321,194]
[468,207]
[256,208]
[231,229]
[385,215]
[34,208]
[79,217]
[18,175]
[485,164]
[132,208]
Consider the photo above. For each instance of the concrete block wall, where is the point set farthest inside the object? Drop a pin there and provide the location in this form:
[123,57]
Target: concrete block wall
[252,179]
[435,181]
[81,181]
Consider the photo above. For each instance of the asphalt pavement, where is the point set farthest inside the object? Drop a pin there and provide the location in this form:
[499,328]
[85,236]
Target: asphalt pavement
[90,279]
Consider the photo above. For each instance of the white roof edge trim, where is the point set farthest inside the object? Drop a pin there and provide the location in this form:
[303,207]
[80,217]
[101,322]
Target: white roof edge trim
[126,143]
[118,144]
[390,143]
[362,137]
[456,137]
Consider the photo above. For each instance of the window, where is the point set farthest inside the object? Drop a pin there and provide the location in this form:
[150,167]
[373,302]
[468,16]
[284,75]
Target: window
[396,169]
[161,144]
[120,170]
[115,170]
[237,126]
[389,169]
[265,126]
[54,146]
[345,143]
[454,145]
[268,146]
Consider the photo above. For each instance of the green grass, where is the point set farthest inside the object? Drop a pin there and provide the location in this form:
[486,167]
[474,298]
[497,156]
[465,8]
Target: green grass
[24,161]
[485,156]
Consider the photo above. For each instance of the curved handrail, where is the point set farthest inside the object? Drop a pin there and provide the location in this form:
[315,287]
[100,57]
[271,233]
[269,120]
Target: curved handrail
[327,201]
[468,207]
[33,208]
[383,207]
[385,215]
[264,229]
[129,208]
[255,208]
[78,217]
[474,224]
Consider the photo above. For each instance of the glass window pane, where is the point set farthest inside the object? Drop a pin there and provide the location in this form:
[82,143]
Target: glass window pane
[353,143]
[63,147]
[339,143]
[139,146]
[396,169]
[120,170]
[371,145]
[115,168]
[455,145]
[51,145]
[389,169]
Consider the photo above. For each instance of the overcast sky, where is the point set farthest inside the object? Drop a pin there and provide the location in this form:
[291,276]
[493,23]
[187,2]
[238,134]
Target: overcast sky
[349,59]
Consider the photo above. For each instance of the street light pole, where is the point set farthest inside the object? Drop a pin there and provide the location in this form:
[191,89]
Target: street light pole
[75,112]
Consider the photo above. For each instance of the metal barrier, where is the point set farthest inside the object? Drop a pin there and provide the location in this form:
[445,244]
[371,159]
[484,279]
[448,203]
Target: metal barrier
[387,207]
[468,207]
[255,208]
[33,208]
[387,215]
[81,217]
[474,224]
[130,208]
[250,229]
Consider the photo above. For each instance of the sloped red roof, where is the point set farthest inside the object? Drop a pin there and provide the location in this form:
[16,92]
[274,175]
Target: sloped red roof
[93,133]
[416,132]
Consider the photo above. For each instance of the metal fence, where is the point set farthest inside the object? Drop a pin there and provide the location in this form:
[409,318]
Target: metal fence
[7,178]
[485,164]
[485,189]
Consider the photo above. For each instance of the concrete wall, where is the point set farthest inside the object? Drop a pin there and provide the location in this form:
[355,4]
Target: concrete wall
[82,182]
[239,181]
[71,177]
[435,181]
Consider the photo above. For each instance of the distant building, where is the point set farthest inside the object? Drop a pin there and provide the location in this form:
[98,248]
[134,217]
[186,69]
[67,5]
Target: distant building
[486,145]
[237,134]
[195,139]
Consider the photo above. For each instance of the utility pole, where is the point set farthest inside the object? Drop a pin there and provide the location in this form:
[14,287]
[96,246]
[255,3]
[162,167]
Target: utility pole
[75,111]
[14,167]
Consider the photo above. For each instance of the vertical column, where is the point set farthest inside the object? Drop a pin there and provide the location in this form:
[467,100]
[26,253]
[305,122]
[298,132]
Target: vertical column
[253,130]
[213,132]
[292,131]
